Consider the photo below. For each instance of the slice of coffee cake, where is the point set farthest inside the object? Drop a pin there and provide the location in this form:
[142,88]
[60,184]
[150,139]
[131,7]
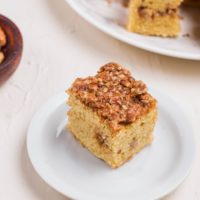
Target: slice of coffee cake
[111,114]
[159,18]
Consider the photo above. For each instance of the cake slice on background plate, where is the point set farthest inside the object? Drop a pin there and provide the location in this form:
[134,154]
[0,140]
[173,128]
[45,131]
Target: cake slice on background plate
[111,114]
[154,17]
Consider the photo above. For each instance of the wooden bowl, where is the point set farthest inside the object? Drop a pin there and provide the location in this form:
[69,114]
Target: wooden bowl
[12,50]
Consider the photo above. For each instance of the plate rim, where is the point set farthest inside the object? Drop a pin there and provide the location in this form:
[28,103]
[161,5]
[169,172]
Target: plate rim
[108,31]
[60,99]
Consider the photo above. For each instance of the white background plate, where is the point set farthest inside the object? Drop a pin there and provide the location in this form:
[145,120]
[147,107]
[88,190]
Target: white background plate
[112,20]
[69,168]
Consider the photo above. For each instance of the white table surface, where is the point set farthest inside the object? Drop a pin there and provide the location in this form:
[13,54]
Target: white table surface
[58,47]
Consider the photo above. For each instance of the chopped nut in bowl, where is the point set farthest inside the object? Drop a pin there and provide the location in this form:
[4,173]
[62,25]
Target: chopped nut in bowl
[11,45]
[2,43]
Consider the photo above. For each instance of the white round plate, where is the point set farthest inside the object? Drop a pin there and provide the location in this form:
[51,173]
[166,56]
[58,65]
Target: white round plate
[111,19]
[72,170]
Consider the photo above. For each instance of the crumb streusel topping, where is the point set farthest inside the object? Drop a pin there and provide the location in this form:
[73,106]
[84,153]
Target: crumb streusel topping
[114,95]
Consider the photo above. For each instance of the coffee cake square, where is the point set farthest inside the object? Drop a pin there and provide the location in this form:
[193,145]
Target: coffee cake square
[111,114]
[159,18]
